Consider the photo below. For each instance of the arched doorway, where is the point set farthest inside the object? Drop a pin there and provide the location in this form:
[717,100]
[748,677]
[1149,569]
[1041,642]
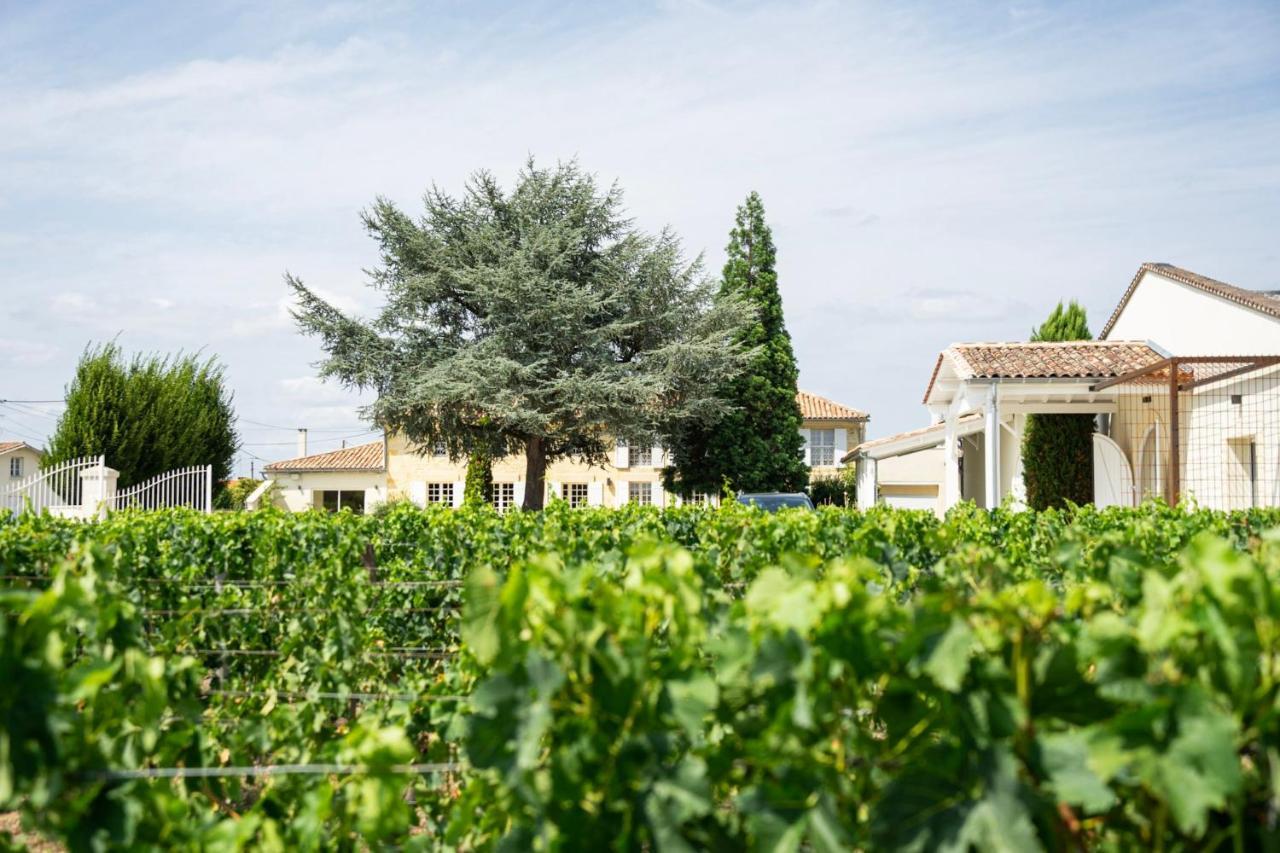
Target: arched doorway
[1112,475]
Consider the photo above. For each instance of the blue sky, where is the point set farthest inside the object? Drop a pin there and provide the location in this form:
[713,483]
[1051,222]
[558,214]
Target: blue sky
[933,172]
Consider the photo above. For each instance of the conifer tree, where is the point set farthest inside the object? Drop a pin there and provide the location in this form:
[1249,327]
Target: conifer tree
[536,321]
[1057,450]
[757,445]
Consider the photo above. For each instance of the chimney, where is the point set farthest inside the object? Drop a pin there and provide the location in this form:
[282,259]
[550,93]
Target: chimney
[302,442]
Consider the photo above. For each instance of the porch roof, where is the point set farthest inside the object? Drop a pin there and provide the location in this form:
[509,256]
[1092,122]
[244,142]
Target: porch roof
[913,440]
[1041,360]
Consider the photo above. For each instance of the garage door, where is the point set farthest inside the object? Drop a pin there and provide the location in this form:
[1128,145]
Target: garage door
[929,502]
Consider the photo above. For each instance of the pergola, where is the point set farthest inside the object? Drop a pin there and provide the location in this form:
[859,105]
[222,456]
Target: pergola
[981,394]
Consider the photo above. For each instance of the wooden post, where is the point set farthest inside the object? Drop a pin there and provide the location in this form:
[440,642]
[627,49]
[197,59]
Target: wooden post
[1175,485]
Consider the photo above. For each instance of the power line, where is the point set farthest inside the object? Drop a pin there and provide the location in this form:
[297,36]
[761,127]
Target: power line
[292,428]
[32,401]
[317,441]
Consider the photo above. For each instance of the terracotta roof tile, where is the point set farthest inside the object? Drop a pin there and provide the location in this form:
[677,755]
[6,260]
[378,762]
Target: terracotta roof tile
[6,446]
[363,457]
[815,408]
[1263,301]
[1045,360]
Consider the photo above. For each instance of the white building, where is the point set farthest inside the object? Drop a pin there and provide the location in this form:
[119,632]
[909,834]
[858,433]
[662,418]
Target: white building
[392,468]
[1184,382]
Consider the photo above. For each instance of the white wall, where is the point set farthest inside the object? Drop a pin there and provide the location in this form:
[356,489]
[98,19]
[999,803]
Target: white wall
[300,491]
[30,465]
[1187,321]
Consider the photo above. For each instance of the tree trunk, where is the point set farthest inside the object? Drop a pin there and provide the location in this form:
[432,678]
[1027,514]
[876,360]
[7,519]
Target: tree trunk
[535,474]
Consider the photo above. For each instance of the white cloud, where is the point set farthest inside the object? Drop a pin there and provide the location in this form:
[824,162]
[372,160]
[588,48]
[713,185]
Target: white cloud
[17,353]
[951,169]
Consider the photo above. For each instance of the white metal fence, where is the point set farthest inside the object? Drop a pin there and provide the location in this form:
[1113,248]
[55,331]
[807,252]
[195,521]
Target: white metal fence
[190,487]
[61,489]
[86,488]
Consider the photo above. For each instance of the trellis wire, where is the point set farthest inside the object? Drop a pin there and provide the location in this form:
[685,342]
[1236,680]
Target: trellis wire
[270,611]
[274,770]
[425,653]
[294,695]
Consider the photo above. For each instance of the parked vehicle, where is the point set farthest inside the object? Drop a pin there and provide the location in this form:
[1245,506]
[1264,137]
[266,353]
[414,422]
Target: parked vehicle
[774,501]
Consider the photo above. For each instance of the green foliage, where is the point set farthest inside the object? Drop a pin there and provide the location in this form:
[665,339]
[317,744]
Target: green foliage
[147,415]
[1057,450]
[479,483]
[756,445]
[635,679]
[837,489]
[235,492]
[1065,323]
[538,321]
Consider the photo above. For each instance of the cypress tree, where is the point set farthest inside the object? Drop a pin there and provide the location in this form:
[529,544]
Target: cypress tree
[1057,450]
[756,446]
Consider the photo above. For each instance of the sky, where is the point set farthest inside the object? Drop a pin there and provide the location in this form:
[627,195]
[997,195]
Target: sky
[932,172]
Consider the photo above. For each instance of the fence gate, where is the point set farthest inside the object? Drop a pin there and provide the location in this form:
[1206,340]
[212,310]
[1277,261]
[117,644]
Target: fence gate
[60,489]
[190,487]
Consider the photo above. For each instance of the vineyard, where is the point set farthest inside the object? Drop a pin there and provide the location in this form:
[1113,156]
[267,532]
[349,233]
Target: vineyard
[635,679]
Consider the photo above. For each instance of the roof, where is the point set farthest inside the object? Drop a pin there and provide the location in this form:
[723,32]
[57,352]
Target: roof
[1265,302]
[815,408]
[909,437]
[362,457]
[9,446]
[1045,360]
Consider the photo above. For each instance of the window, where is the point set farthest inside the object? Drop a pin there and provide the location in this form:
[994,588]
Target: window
[575,494]
[698,498]
[641,455]
[822,448]
[503,496]
[640,493]
[439,449]
[440,493]
[15,466]
[333,501]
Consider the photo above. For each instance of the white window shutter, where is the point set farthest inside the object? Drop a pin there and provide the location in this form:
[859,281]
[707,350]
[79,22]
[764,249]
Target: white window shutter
[842,444]
[623,493]
[659,456]
[418,492]
[659,495]
[554,490]
[518,495]
[804,433]
[623,459]
[595,494]
[459,489]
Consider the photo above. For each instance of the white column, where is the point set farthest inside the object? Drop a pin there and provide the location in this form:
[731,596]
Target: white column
[991,447]
[950,465]
[867,485]
[98,488]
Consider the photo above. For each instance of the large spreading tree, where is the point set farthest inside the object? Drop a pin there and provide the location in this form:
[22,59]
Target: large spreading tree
[1057,450]
[757,445]
[538,320]
[147,415]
